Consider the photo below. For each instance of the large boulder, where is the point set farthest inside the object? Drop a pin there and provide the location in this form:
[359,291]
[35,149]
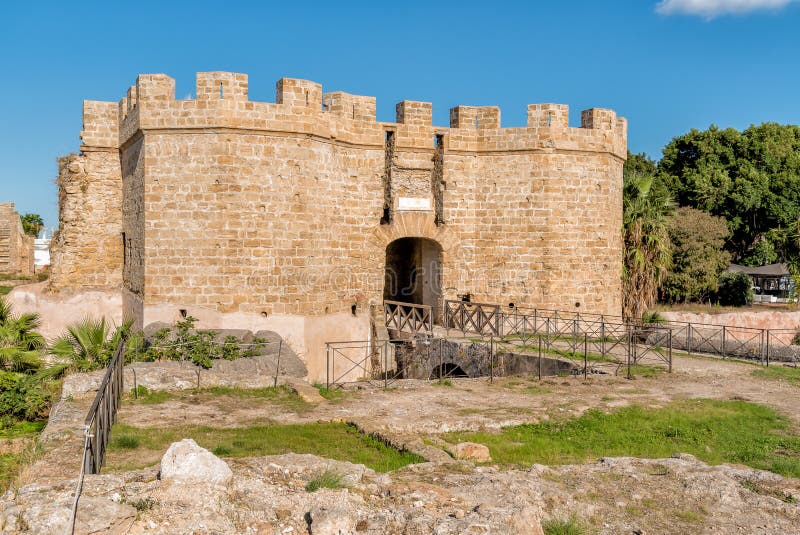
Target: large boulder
[185,461]
[470,451]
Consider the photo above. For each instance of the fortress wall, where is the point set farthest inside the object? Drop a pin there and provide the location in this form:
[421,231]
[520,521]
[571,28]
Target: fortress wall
[247,223]
[86,251]
[270,213]
[132,159]
[16,247]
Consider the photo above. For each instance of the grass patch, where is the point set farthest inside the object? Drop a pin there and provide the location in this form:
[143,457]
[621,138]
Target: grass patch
[332,440]
[21,428]
[446,382]
[5,290]
[126,442]
[779,373]
[331,394]
[12,463]
[714,431]
[329,479]
[282,395]
[557,526]
[9,464]
[145,396]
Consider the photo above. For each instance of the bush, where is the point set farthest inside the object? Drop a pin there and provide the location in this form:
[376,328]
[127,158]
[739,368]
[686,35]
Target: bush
[26,397]
[183,342]
[735,289]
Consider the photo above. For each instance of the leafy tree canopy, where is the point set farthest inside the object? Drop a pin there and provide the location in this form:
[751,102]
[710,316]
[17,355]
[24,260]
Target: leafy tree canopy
[698,257]
[32,224]
[751,178]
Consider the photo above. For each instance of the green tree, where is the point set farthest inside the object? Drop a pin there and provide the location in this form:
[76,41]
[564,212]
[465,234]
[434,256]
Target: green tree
[698,257]
[735,289]
[752,178]
[761,254]
[32,224]
[646,255]
[20,345]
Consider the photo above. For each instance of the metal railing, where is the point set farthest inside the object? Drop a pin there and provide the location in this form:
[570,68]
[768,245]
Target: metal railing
[408,317]
[103,412]
[763,345]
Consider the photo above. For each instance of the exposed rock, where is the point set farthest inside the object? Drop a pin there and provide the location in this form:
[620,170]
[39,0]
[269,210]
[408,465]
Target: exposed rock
[186,461]
[330,521]
[151,329]
[470,451]
[307,393]
[248,372]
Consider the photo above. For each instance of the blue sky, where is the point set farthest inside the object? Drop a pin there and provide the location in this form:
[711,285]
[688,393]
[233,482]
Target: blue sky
[667,66]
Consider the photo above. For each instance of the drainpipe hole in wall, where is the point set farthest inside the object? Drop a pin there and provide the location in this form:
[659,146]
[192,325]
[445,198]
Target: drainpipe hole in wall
[353,309]
[182,312]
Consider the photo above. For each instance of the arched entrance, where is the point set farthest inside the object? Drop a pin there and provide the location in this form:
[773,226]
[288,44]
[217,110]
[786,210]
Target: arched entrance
[413,272]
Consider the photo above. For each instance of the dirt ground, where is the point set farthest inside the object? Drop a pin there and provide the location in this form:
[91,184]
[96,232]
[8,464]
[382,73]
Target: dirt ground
[610,495]
[420,407]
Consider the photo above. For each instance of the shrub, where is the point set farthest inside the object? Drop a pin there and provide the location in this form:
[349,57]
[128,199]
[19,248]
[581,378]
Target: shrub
[329,479]
[735,289]
[89,344]
[653,317]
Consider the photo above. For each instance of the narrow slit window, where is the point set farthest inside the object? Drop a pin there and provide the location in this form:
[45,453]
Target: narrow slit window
[221,93]
[549,118]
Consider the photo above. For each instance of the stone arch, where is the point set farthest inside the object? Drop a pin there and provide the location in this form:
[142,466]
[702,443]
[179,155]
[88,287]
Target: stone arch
[415,225]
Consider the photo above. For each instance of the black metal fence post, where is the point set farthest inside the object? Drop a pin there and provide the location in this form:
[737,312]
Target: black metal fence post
[278,363]
[585,356]
[491,359]
[670,351]
[540,358]
[327,366]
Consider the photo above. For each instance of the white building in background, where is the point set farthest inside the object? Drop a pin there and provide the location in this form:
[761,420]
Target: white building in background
[41,251]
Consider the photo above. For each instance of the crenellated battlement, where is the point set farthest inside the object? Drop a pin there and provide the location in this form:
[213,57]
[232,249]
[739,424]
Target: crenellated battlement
[290,214]
[300,107]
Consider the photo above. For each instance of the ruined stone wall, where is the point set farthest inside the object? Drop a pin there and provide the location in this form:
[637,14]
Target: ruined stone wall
[16,247]
[276,208]
[87,250]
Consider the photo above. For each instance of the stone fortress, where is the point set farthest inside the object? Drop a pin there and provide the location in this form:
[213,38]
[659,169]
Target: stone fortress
[303,215]
[16,247]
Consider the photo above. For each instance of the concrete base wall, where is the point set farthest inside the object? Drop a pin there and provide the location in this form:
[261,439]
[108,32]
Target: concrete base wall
[57,310]
[306,335]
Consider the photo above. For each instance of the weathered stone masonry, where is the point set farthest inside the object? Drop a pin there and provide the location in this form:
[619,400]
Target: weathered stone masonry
[16,247]
[278,215]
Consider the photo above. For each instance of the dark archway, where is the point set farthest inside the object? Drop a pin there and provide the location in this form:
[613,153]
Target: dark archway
[448,369]
[413,272]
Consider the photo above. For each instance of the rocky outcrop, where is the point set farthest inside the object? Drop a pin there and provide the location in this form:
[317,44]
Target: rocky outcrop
[187,462]
[248,372]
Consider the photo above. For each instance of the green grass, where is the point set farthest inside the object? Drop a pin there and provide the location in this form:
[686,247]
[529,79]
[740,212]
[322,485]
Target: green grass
[282,395]
[779,373]
[21,428]
[5,290]
[714,431]
[126,442]
[331,394]
[145,396]
[557,526]
[9,464]
[329,479]
[332,440]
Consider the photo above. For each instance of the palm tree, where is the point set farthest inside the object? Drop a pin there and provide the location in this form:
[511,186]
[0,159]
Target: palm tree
[89,343]
[647,251]
[20,346]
